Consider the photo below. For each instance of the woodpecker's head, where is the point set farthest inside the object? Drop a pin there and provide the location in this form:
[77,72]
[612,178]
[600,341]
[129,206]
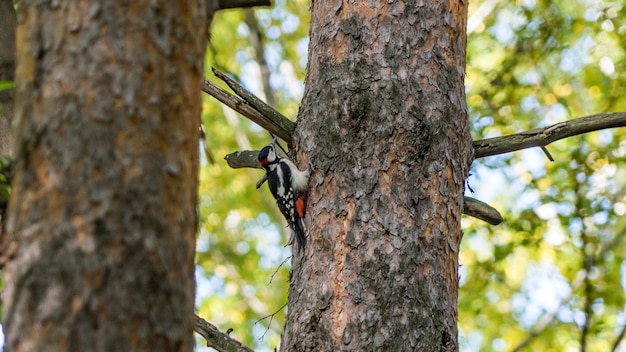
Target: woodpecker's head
[267,156]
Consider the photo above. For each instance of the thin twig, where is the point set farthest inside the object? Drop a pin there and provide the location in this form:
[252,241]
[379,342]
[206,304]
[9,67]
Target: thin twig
[216,339]
[205,145]
[619,339]
[547,153]
[543,136]
[271,316]
[588,309]
[588,259]
[261,181]
[276,271]
[277,143]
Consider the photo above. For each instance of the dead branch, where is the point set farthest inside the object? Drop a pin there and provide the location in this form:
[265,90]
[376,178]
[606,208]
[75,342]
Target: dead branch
[619,338]
[216,339]
[269,112]
[245,109]
[270,119]
[205,145]
[265,116]
[540,137]
[481,210]
[279,125]
[245,158]
[236,4]
[271,317]
[471,207]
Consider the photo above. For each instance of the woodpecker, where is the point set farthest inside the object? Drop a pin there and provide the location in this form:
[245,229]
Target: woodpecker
[288,186]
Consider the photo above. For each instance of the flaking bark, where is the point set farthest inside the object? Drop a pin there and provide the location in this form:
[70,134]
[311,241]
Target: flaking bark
[384,123]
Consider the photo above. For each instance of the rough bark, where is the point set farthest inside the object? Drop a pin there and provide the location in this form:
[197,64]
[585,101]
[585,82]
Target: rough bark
[101,223]
[7,73]
[385,124]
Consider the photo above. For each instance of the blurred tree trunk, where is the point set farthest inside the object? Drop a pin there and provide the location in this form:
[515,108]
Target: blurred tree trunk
[385,123]
[7,73]
[101,223]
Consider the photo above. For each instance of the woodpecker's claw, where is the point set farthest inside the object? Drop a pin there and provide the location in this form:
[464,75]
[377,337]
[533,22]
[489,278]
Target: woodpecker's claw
[290,242]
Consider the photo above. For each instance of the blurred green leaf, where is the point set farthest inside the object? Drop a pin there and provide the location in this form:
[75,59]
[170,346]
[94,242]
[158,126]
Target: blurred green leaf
[530,63]
[4,85]
[242,234]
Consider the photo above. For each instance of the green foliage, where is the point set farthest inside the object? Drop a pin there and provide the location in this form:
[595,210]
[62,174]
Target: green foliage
[242,236]
[531,63]
[4,85]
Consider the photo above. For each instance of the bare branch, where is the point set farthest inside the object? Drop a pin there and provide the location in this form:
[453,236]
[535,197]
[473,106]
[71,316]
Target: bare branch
[588,307]
[273,121]
[245,158]
[245,109]
[271,316]
[269,112]
[482,211]
[264,115]
[619,338]
[261,181]
[236,4]
[540,137]
[216,339]
[471,207]
[205,145]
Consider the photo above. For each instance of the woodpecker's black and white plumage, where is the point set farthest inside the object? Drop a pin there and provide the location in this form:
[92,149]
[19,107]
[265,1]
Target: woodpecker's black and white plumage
[288,186]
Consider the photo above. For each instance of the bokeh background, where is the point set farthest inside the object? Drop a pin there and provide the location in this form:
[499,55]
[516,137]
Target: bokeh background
[552,277]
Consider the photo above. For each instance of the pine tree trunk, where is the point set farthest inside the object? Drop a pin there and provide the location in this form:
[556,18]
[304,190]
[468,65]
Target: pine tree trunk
[385,124]
[102,220]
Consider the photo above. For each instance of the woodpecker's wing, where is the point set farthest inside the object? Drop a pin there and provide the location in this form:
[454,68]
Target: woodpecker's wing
[289,201]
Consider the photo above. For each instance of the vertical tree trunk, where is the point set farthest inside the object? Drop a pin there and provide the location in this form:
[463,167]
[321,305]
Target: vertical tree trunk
[101,223]
[385,124]
[7,73]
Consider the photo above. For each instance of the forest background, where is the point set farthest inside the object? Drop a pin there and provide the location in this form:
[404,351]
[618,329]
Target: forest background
[554,268]
[550,276]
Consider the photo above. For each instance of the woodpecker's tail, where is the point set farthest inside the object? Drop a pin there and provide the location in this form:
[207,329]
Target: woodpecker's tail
[298,230]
